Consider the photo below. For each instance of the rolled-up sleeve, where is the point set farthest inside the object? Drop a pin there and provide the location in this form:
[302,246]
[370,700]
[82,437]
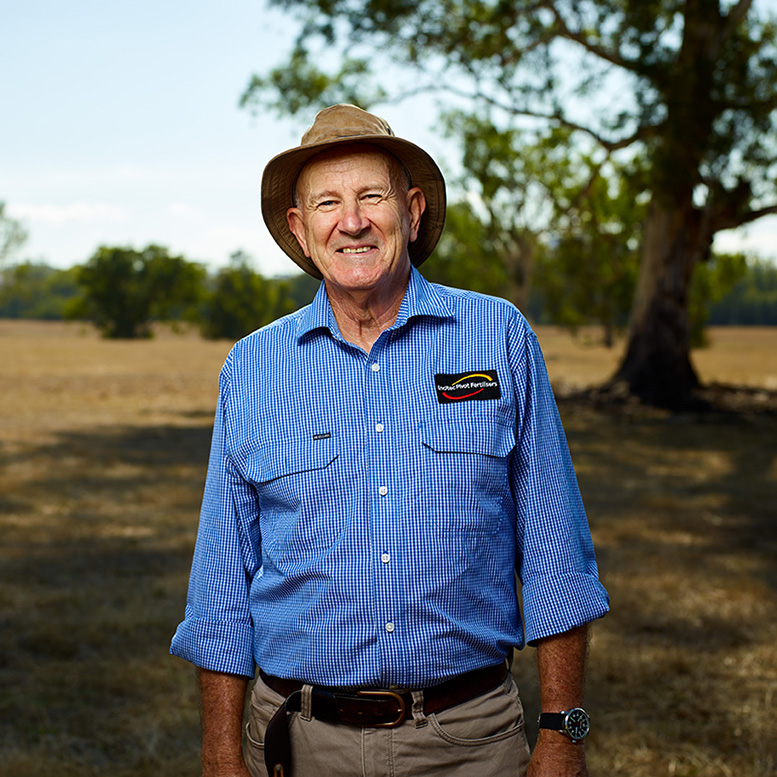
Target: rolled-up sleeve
[217,632]
[555,558]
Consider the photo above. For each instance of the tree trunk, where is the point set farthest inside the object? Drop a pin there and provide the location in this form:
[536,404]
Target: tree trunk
[518,264]
[657,366]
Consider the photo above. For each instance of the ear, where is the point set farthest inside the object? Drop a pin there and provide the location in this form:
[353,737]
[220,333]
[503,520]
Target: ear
[297,226]
[416,205]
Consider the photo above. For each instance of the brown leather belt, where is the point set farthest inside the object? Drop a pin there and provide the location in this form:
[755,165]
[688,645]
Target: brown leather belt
[367,708]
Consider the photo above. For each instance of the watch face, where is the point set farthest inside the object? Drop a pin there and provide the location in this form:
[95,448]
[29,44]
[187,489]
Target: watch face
[577,723]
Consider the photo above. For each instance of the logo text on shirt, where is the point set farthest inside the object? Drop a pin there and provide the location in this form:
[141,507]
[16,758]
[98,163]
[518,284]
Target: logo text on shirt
[466,386]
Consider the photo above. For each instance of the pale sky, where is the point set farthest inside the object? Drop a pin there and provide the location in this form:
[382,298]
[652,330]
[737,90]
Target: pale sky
[120,125]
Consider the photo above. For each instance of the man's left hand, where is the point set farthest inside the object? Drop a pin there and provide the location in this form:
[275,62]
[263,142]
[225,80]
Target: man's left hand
[555,755]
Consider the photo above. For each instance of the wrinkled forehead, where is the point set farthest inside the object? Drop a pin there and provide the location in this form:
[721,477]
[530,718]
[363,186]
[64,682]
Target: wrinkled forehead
[347,156]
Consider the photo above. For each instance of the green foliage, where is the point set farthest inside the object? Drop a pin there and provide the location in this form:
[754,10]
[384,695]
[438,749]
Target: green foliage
[503,193]
[553,224]
[125,290]
[712,282]
[587,270]
[465,257]
[12,235]
[242,300]
[685,91]
[752,300]
[30,290]
[694,85]
[301,84]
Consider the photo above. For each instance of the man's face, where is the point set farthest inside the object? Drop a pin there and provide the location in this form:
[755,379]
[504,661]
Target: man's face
[354,218]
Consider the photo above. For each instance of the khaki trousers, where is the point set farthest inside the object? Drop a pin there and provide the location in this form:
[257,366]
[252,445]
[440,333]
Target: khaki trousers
[483,737]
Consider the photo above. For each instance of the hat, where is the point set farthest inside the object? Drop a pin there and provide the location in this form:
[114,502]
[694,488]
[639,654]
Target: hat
[346,124]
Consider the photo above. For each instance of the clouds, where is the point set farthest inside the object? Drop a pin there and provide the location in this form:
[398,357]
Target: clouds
[80,212]
[70,232]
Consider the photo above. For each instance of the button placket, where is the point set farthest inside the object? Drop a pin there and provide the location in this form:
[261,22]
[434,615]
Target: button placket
[383,526]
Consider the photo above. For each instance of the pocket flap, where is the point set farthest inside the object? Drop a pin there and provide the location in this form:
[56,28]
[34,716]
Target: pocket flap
[281,458]
[484,435]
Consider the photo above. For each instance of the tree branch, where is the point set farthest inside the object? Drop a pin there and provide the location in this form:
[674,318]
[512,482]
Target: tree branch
[608,145]
[577,37]
[731,218]
[735,16]
[754,215]
[642,133]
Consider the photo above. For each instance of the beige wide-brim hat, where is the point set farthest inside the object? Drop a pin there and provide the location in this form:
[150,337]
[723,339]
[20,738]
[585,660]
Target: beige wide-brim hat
[347,124]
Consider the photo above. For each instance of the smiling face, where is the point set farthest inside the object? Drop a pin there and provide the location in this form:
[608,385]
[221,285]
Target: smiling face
[354,218]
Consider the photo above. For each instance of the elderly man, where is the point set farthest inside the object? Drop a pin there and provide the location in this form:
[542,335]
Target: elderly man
[384,463]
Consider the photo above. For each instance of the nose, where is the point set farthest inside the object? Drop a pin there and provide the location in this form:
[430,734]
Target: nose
[352,218]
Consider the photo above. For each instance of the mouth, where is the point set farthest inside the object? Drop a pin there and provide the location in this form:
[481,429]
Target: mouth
[355,250]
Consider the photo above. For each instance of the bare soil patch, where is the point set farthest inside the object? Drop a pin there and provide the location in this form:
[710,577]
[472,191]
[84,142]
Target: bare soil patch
[103,448]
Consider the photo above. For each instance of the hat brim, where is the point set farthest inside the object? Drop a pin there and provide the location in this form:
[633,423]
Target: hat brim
[282,170]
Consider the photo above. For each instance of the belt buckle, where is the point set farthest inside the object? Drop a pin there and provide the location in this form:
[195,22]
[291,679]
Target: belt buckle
[392,695]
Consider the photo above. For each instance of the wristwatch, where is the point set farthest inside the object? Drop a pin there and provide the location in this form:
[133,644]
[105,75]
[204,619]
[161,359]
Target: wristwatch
[575,723]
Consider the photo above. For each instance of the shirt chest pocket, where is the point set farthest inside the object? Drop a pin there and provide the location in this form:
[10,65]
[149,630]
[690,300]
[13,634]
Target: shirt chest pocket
[465,472]
[296,485]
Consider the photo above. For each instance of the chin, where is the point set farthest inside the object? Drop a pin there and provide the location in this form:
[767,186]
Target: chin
[359,277]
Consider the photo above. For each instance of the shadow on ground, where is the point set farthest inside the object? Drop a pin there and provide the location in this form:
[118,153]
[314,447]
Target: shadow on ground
[99,527]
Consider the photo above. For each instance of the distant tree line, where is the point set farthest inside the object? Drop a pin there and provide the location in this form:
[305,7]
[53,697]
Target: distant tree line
[752,301]
[124,291]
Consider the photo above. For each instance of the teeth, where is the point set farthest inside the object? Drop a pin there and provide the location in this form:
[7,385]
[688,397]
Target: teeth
[355,250]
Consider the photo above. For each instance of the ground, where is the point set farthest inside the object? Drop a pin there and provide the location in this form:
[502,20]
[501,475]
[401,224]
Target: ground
[103,447]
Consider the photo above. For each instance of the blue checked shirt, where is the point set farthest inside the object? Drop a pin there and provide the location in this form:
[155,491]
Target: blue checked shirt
[364,515]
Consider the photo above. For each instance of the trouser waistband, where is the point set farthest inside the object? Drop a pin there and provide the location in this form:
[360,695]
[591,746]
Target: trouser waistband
[367,707]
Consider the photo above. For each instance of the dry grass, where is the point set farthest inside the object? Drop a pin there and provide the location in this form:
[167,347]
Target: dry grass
[103,448]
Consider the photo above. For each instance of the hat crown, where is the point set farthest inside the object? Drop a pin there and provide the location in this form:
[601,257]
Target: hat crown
[340,122]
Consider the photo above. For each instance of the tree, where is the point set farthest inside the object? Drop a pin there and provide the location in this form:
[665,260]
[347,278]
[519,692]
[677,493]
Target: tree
[752,300]
[37,291]
[689,87]
[465,257]
[12,235]
[125,290]
[503,194]
[712,282]
[241,300]
[587,269]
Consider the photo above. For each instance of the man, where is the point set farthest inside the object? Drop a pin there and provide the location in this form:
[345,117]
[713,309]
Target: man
[384,461]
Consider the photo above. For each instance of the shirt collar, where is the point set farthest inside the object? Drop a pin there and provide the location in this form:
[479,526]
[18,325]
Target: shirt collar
[421,299]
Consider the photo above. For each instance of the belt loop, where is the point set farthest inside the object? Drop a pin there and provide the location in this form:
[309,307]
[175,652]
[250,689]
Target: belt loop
[419,718]
[306,711]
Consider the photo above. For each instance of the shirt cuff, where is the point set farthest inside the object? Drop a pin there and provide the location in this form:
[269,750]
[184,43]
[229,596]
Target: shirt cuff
[218,647]
[553,605]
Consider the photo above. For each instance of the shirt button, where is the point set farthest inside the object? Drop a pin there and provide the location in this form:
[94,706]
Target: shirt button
[389,627]
[385,558]
[383,490]
[379,427]
[375,367]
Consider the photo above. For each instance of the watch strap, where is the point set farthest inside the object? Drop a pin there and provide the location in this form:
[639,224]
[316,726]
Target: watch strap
[552,720]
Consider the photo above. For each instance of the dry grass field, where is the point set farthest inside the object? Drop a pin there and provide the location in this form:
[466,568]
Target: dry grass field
[103,448]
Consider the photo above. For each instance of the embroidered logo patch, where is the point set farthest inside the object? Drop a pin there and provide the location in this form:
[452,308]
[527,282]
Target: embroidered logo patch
[322,436]
[466,386]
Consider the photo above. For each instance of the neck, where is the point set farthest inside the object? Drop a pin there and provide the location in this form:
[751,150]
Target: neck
[363,314]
